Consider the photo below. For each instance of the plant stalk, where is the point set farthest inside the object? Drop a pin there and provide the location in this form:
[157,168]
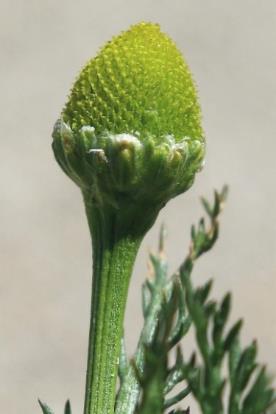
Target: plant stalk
[114,253]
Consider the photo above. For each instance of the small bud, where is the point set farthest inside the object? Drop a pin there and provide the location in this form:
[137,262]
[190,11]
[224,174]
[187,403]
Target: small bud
[130,133]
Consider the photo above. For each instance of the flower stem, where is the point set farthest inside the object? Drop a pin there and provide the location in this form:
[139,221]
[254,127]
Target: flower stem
[114,252]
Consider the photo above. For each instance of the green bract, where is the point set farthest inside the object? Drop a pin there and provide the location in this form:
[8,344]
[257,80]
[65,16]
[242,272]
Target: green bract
[130,133]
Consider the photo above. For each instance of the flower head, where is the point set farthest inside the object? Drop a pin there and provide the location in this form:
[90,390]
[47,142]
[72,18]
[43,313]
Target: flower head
[139,82]
[130,132]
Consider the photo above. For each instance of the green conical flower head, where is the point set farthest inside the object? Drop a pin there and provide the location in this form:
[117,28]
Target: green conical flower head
[138,83]
[130,135]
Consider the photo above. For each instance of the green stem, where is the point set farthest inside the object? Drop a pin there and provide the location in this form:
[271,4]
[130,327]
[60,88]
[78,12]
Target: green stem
[114,252]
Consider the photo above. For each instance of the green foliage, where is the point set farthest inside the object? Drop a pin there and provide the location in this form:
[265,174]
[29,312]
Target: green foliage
[47,410]
[67,409]
[170,307]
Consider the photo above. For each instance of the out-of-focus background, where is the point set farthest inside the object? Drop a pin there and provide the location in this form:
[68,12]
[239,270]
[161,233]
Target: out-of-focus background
[44,243]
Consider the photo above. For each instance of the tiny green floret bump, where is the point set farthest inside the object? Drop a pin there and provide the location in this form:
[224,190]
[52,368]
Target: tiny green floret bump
[130,137]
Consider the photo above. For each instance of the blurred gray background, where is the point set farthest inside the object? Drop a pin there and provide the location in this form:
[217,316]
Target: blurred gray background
[44,245]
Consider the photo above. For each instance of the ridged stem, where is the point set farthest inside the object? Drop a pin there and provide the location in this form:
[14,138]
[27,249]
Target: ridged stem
[114,252]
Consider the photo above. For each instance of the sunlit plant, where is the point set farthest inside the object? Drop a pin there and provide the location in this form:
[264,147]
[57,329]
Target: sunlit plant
[130,137]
